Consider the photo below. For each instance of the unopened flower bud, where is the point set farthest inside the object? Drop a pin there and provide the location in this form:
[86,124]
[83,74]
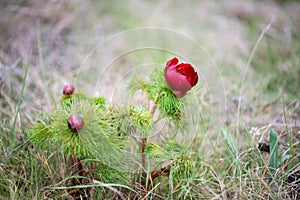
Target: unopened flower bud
[75,123]
[68,89]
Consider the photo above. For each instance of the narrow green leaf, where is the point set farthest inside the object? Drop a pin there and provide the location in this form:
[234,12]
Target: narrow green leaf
[233,150]
[273,150]
[284,158]
[231,143]
[20,100]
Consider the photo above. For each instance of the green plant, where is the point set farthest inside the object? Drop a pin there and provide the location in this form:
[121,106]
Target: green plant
[95,136]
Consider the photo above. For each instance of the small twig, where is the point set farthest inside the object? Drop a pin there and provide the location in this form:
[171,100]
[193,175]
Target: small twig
[89,171]
[156,174]
[152,111]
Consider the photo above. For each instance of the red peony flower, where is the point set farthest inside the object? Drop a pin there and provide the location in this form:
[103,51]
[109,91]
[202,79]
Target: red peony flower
[75,123]
[68,89]
[180,77]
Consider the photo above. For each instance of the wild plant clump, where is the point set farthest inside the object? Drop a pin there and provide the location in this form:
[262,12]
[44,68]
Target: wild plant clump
[98,138]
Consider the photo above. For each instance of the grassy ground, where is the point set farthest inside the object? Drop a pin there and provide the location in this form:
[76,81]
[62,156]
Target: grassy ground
[247,54]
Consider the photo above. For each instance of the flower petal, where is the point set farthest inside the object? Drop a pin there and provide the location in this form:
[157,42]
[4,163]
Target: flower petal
[194,79]
[185,69]
[172,62]
[177,81]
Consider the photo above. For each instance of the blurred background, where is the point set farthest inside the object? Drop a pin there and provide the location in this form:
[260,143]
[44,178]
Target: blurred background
[96,43]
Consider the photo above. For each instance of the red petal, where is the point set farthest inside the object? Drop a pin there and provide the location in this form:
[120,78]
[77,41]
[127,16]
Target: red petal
[194,79]
[172,62]
[177,81]
[185,69]
[188,71]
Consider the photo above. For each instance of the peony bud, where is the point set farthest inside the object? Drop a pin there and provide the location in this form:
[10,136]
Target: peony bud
[68,89]
[180,77]
[75,123]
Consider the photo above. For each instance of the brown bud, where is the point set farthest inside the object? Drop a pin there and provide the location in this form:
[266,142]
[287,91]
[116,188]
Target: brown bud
[68,89]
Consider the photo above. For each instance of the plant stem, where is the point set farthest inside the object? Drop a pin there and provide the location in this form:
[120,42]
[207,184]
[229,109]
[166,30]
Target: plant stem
[80,171]
[144,174]
[73,164]
[153,108]
[156,174]
[143,146]
[76,162]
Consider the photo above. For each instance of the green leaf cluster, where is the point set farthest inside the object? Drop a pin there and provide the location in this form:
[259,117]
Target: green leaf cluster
[180,163]
[182,169]
[170,151]
[105,133]
[112,175]
[131,121]
[92,141]
[157,90]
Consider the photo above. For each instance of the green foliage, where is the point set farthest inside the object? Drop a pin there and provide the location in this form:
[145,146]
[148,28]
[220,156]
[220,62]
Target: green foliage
[171,150]
[180,178]
[157,83]
[107,130]
[40,134]
[141,121]
[99,101]
[175,162]
[92,141]
[168,104]
[182,169]
[112,175]
[77,96]
[233,150]
[161,94]
[175,154]
[134,121]
[273,150]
